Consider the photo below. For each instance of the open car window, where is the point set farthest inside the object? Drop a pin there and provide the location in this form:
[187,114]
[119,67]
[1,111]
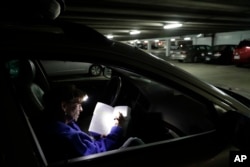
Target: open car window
[156,107]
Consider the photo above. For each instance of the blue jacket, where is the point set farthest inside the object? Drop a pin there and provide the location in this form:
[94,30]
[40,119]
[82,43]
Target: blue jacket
[81,142]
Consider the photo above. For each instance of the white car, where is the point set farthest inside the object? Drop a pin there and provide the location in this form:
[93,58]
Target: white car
[59,68]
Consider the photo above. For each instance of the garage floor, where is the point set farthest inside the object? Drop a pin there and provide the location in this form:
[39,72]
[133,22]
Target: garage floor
[229,76]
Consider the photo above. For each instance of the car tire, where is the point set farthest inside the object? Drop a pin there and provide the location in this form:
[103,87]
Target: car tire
[95,70]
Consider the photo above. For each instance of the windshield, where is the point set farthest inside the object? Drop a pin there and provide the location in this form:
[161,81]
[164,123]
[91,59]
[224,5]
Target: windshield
[218,47]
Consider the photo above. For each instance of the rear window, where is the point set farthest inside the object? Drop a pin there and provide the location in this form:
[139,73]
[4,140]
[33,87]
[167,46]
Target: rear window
[219,47]
[243,44]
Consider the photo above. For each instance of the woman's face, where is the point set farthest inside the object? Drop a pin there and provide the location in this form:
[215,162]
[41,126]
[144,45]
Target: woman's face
[72,109]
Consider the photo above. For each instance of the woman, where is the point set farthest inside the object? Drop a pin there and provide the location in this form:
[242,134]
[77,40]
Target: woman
[62,137]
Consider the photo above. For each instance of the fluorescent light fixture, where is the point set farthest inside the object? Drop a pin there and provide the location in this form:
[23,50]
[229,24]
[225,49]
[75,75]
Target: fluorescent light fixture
[199,35]
[172,39]
[187,38]
[137,41]
[134,32]
[172,25]
[109,36]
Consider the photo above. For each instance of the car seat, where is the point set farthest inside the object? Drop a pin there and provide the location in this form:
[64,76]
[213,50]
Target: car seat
[29,97]
[30,93]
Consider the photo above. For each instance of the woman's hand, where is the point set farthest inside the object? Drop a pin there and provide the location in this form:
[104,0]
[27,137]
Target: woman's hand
[119,119]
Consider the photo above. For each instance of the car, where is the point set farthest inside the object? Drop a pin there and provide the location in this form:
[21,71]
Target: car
[191,53]
[242,53]
[220,54]
[59,68]
[182,120]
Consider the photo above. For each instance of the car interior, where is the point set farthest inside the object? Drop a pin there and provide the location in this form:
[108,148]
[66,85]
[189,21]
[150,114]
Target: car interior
[177,116]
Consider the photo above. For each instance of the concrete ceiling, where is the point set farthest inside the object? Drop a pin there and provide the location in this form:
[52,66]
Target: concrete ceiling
[118,17]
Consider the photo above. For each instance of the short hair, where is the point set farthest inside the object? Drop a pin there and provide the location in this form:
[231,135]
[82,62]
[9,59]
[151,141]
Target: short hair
[67,93]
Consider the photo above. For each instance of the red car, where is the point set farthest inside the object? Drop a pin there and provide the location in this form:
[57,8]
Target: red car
[242,53]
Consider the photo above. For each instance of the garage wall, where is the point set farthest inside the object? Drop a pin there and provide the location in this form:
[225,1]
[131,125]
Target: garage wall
[230,37]
[202,41]
[245,35]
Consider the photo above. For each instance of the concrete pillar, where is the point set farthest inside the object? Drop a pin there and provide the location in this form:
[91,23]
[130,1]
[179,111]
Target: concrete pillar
[149,46]
[168,45]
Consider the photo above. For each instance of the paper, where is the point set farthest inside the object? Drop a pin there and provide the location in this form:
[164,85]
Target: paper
[103,118]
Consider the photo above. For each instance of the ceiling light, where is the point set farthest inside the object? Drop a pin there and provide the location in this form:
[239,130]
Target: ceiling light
[174,25]
[200,35]
[137,41]
[110,36]
[134,32]
[187,38]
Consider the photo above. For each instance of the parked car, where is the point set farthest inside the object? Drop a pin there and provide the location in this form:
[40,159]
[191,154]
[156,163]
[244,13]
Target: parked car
[242,53]
[221,54]
[192,53]
[59,68]
[182,120]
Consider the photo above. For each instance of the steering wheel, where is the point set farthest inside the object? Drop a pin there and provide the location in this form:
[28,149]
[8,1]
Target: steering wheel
[112,91]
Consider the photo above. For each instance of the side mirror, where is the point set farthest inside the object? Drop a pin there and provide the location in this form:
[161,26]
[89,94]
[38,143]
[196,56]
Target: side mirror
[107,72]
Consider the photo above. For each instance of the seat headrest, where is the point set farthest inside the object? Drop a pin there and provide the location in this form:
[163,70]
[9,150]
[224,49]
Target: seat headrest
[27,72]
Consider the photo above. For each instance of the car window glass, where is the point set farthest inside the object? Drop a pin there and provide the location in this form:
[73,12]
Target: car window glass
[202,48]
[13,68]
[169,102]
[244,43]
[232,48]
[222,47]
